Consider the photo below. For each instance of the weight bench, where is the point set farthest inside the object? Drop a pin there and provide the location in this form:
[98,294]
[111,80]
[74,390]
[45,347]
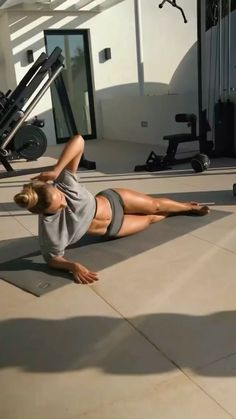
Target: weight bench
[176,139]
[155,162]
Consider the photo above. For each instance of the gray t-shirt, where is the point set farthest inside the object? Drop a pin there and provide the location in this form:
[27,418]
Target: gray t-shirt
[59,230]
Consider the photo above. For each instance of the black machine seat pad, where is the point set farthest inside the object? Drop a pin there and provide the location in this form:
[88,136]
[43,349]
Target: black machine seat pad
[181,138]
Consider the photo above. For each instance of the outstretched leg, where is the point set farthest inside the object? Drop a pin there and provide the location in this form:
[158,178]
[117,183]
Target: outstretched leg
[138,203]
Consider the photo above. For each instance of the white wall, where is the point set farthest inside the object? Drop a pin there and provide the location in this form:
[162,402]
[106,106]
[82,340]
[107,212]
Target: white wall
[114,28]
[123,117]
[166,38]
[170,64]
[170,78]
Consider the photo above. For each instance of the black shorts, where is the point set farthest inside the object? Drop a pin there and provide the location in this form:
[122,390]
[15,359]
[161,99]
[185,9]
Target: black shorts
[117,207]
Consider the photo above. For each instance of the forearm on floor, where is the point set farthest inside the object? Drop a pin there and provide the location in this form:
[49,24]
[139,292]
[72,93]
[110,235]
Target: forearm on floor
[60,262]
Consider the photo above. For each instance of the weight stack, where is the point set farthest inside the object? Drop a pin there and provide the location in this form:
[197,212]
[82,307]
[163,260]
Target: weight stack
[224,129]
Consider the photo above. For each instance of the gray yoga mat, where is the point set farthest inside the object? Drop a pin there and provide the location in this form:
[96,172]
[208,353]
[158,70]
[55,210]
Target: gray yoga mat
[23,266]
[28,270]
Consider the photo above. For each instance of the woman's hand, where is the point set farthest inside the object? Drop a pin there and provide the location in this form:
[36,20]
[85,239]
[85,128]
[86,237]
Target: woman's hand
[82,275]
[47,176]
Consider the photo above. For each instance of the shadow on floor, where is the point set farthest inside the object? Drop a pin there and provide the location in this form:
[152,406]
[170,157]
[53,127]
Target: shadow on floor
[201,343]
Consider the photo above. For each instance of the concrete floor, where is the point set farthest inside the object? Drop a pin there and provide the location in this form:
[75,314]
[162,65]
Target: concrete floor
[155,337]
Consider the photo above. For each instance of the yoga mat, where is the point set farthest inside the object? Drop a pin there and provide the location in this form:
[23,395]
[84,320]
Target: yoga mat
[28,270]
[23,266]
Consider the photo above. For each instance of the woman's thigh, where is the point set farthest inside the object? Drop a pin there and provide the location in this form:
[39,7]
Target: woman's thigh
[137,202]
[135,223]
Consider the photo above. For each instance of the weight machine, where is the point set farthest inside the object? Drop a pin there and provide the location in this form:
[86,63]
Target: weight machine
[20,138]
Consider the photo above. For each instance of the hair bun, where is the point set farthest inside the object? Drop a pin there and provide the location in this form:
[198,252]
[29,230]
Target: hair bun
[35,197]
[28,198]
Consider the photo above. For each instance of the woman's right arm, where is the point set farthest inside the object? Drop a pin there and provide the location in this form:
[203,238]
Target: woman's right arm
[81,274]
[69,159]
[71,155]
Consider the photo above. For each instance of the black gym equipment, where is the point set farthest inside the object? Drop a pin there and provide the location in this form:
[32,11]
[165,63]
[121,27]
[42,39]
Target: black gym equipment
[224,108]
[173,3]
[24,139]
[234,189]
[200,162]
[29,142]
[176,139]
[155,162]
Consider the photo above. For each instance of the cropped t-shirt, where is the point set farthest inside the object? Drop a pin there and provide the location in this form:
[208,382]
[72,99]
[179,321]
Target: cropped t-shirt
[65,227]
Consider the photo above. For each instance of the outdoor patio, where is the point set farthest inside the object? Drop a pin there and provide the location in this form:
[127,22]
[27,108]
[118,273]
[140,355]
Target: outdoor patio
[155,337]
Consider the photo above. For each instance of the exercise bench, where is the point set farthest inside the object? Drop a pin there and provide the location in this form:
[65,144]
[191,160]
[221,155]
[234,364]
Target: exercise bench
[176,139]
[155,162]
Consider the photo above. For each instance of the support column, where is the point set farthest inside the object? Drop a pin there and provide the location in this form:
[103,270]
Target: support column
[139,45]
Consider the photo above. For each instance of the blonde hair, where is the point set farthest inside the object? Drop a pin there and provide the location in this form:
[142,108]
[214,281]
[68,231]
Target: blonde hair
[35,196]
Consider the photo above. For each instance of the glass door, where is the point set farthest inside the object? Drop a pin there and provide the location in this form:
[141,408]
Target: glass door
[78,82]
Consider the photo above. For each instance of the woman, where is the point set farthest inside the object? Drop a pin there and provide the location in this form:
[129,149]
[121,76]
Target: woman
[67,210]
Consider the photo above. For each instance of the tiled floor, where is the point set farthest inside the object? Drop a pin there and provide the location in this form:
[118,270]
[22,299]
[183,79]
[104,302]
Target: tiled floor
[156,336]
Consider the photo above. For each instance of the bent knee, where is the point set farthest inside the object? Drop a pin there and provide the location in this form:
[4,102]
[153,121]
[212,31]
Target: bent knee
[155,205]
[154,218]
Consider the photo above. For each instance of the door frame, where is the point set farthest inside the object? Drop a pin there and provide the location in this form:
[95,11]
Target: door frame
[87,57]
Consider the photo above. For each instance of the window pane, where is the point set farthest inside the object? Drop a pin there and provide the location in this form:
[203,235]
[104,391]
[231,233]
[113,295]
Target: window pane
[75,76]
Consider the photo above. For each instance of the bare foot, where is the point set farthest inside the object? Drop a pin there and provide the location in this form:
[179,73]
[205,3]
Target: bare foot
[198,209]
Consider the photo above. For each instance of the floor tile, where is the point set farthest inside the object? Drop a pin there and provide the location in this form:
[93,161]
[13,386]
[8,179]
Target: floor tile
[175,295]
[11,228]
[218,379]
[176,398]
[70,352]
